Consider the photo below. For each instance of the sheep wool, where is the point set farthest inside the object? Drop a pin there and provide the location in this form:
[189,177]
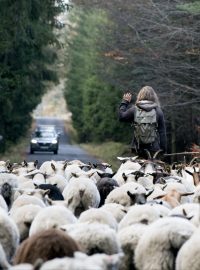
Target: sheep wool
[9,234]
[94,238]
[188,256]
[158,246]
[99,216]
[51,217]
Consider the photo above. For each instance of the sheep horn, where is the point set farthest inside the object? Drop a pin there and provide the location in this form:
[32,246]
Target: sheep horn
[191,162]
[148,153]
[156,153]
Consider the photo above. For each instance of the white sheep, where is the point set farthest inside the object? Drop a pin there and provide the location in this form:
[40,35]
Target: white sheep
[128,238]
[23,217]
[188,255]
[94,238]
[143,214]
[81,194]
[9,234]
[189,210]
[81,261]
[119,194]
[117,210]
[4,265]
[27,199]
[99,216]
[3,204]
[158,246]
[51,217]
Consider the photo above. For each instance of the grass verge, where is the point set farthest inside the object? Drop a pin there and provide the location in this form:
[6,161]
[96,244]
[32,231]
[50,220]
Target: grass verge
[16,152]
[107,152]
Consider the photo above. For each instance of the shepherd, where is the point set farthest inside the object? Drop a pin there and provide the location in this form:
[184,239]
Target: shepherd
[147,119]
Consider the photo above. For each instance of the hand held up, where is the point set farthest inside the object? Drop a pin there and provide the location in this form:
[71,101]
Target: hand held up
[127,97]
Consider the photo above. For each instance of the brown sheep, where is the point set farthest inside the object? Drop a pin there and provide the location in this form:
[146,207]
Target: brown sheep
[46,245]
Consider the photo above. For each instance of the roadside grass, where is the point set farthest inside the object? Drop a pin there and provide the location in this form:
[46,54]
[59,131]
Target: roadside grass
[16,152]
[107,152]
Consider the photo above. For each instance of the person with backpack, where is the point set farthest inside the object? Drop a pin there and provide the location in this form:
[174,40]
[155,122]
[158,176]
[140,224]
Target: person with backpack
[147,119]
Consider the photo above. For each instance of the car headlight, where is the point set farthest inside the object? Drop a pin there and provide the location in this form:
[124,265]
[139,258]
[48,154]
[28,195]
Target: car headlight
[54,141]
[33,141]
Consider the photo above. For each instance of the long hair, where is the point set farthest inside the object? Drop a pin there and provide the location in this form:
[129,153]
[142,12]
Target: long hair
[148,93]
[46,245]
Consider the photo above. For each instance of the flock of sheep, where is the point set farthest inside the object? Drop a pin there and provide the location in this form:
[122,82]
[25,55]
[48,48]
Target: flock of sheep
[144,216]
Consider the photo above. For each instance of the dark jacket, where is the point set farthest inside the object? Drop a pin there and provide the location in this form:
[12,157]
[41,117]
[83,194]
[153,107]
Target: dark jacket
[126,114]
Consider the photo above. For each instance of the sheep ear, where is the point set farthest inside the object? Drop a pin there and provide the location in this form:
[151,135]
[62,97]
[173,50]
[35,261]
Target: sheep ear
[45,192]
[184,212]
[55,185]
[36,163]
[74,175]
[149,192]
[132,196]
[50,201]
[100,174]
[36,186]
[25,164]
[65,166]
[53,166]
[124,177]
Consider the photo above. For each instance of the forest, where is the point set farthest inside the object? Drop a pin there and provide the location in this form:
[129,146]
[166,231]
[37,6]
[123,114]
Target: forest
[115,46]
[110,47]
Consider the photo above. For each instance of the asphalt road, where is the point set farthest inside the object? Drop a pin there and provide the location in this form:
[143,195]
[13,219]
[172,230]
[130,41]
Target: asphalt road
[66,150]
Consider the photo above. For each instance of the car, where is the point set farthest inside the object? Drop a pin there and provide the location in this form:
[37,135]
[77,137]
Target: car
[45,141]
[52,128]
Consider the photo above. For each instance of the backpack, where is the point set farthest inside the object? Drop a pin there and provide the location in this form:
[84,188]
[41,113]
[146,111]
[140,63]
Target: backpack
[145,126]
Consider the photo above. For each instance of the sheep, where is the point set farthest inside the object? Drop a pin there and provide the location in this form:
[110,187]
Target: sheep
[39,193]
[99,216]
[4,265]
[45,245]
[181,189]
[190,210]
[23,266]
[105,186]
[129,163]
[143,214]
[3,203]
[9,234]
[23,217]
[81,194]
[27,199]
[117,210]
[128,238]
[51,217]
[83,262]
[158,246]
[54,192]
[94,238]
[188,255]
[8,182]
[58,180]
[173,197]
[53,167]
[122,194]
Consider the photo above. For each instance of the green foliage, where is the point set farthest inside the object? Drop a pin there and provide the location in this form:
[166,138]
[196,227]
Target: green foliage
[193,7]
[27,51]
[92,101]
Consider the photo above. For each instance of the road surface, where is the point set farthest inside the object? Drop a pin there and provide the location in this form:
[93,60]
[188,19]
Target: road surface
[66,150]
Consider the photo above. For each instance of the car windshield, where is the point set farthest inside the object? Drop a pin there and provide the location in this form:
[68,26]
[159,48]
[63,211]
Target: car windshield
[44,134]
